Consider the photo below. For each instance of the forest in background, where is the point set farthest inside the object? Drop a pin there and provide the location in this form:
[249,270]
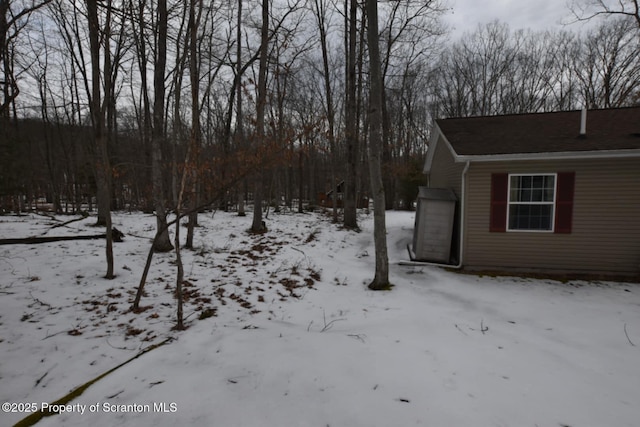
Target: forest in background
[179,95]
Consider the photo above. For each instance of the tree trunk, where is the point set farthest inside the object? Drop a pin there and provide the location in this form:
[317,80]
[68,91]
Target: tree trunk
[300,180]
[381,279]
[320,16]
[103,167]
[238,88]
[194,76]
[180,273]
[163,242]
[7,80]
[351,119]
[257,224]
[4,60]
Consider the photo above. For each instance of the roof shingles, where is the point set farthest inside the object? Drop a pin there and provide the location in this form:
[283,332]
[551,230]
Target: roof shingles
[609,129]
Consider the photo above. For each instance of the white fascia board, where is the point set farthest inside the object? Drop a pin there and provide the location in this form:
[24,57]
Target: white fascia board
[436,136]
[566,155]
[431,148]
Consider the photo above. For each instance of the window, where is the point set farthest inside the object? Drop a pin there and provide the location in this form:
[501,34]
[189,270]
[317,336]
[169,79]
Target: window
[531,202]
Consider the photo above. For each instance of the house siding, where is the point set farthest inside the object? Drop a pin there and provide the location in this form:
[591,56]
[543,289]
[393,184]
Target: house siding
[605,235]
[445,173]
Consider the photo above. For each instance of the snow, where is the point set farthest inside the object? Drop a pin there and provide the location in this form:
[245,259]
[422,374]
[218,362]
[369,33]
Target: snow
[297,339]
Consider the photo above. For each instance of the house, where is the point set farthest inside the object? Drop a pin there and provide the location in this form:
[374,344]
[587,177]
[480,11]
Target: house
[546,192]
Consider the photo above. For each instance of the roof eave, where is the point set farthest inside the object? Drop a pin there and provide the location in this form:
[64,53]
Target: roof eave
[565,155]
[436,134]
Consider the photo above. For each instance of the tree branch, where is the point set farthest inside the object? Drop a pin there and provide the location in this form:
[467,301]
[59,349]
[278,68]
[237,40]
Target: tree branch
[629,339]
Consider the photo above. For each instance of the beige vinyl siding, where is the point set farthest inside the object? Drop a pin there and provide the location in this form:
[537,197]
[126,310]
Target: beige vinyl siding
[445,173]
[605,235]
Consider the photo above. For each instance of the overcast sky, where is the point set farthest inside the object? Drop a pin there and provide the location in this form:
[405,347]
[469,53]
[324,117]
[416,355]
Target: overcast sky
[519,14]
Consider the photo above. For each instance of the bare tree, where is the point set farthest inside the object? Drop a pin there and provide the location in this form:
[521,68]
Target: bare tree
[191,155]
[305,105]
[162,243]
[238,90]
[14,17]
[158,29]
[103,165]
[609,64]
[258,224]
[524,87]
[351,119]
[585,10]
[410,31]
[99,76]
[381,279]
[320,11]
[12,21]
[60,80]
[562,48]
[492,71]
[194,77]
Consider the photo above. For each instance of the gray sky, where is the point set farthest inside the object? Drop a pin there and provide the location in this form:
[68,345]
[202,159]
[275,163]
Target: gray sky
[519,14]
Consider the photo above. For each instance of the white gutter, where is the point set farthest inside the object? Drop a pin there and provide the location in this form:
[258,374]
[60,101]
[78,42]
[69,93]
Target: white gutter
[563,155]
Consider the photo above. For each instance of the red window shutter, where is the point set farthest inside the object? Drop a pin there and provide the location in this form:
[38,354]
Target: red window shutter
[564,202]
[499,200]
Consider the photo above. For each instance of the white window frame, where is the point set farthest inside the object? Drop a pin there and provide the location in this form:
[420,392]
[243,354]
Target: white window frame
[552,203]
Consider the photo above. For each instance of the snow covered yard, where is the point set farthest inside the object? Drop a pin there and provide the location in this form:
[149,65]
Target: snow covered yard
[283,332]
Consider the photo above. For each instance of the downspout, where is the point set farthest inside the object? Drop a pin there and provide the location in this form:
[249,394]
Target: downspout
[463,194]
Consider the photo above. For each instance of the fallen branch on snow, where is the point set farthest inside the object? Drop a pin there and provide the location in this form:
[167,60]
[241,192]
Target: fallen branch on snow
[37,416]
[357,336]
[483,328]
[67,223]
[458,328]
[36,300]
[629,339]
[326,326]
[117,237]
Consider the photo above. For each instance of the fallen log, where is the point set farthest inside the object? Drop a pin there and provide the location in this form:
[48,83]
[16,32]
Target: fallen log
[116,234]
